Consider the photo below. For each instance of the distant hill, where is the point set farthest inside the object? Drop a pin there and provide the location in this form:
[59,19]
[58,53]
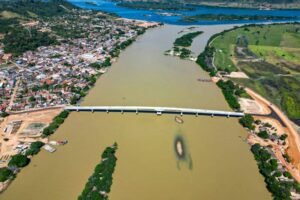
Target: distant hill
[33,8]
[262,4]
[19,23]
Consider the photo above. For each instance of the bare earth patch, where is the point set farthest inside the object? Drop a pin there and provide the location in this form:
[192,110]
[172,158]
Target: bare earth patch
[250,106]
[23,129]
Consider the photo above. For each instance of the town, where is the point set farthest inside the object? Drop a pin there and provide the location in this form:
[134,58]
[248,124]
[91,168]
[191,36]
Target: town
[37,84]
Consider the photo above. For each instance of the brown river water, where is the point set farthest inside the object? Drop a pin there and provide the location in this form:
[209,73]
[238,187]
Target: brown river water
[221,165]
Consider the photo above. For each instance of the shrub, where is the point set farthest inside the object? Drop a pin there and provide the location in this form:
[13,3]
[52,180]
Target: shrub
[34,148]
[283,137]
[263,134]
[287,174]
[58,120]
[247,121]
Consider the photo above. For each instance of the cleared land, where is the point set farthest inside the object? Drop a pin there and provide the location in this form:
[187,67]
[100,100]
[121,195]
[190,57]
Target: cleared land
[270,56]
[22,129]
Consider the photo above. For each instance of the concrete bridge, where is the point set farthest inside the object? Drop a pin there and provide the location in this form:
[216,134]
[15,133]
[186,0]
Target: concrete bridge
[157,110]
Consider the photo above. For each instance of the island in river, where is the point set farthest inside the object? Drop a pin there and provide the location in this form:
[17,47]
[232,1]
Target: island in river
[175,16]
[223,17]
[265,5]
[156,6]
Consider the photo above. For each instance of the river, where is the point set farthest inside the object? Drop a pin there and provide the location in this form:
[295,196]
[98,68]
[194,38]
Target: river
[175,16]
[147,168]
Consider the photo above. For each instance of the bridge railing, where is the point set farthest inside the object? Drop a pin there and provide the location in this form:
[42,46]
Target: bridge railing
[157,110]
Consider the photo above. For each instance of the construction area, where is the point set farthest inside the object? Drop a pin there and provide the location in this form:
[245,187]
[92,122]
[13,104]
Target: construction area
[18,131]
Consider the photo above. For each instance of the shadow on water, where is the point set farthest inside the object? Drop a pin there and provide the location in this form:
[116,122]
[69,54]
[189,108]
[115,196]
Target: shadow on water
[181,151]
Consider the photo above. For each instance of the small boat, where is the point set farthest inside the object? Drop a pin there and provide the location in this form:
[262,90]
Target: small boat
[49,148]
[62,142]
[179,120]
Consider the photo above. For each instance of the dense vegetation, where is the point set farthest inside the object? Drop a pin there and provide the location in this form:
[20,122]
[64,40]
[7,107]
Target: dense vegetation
[205,60]
[187,39]
[5,174]
[35,148]
[229,91]
[223,17]
[57,121]
[247,121]
[34,8]
[20,40]
[19,161]
[7,25]
[268,167]
[99,184]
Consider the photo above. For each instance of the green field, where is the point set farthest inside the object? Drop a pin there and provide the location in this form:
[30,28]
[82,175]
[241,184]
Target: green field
[270,56]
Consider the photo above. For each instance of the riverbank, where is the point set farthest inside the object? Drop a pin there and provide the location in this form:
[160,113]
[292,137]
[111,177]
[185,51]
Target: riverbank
[261,132]
[47,118]
[19,131]
[242,5]
[233,17]
[143,76]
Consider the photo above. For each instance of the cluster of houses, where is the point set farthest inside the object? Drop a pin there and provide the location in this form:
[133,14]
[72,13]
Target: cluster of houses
[60,74]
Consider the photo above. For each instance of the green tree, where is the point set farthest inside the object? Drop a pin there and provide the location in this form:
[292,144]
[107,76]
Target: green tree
[5,174]
[19,161]
[263,134]
[247,121]
[34,148]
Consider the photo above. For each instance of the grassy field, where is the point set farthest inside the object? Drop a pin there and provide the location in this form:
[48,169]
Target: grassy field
[8,15]
[272,61]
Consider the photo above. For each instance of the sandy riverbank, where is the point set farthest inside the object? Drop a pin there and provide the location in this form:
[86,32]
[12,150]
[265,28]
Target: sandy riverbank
[293,138]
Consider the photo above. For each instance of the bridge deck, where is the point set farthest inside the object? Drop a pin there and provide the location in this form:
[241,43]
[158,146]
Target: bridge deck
[157,110]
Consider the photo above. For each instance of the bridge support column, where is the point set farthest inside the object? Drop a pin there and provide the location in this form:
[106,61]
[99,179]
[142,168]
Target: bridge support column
[196,114]
[212,115]
[122,112]
[92,110]
[181,113]
[228,116]
[107,111]
[136,112]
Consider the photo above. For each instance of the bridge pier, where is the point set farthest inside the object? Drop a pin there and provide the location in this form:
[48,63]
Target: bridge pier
[157,110]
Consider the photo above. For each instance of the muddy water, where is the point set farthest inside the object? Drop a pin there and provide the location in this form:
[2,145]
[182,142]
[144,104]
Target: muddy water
[147,167]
